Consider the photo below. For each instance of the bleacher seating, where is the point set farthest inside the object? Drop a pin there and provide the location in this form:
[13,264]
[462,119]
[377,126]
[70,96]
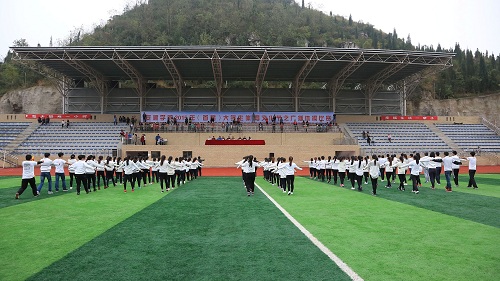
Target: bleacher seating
[472,136]
[406,137]
[80,137]
[10,130]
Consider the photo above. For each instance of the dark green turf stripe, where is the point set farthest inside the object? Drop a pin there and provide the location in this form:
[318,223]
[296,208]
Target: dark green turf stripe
[208,230]
[7,195]
[474,207]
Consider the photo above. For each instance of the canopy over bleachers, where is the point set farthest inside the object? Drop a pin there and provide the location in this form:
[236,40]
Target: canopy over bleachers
[472,136]
[406,137]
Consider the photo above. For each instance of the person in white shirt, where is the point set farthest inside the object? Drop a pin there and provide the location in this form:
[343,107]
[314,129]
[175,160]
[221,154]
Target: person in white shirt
[80,167]
[366,169]
[387,165]
[193,169]
[374,170]
[179,171]
[401,172]
[328,169]
[155,167]
[414,166]
[119,170]
[28,176]
[448,168]
[280,171]
[335,169]
[187,167]
[70,162]
[431,167]
[343,164]
[145,165]
[312,172]
[129,170]
[249,166]
[90,172]
[138,173]
[382,160]
[321,168]
[358,170]
[109,167]
[352,171]
[455,167]
[100,169]
[438,168]
[166,171]
[472,170]
[290,168]
[59,164]
[45,168]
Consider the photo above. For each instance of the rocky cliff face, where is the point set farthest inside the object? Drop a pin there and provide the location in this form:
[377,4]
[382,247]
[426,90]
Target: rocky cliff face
[35,100]
[484,106]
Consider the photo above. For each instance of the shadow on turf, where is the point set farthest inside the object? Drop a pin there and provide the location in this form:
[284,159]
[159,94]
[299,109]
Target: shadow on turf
[478,208]
[7,196]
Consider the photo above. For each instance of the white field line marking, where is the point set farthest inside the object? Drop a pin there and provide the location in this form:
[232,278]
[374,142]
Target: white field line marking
[353,275]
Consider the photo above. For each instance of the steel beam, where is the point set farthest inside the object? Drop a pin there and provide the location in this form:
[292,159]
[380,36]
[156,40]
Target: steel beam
[261,75]
[217,69]
[174,72]
[301,76]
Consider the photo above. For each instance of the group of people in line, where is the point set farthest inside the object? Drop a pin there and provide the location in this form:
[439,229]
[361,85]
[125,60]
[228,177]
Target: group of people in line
[360,169]
[280,172]
[88,171]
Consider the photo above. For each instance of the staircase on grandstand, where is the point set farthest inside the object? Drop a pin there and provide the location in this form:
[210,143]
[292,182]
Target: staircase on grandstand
[97,138]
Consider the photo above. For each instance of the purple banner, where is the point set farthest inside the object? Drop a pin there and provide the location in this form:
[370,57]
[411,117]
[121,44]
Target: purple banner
[243,117]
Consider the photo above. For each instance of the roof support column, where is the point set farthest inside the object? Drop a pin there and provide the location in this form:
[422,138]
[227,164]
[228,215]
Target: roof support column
[337,81]
[176,77]
[301,77]
[261,75]
[217,69]
[134,75]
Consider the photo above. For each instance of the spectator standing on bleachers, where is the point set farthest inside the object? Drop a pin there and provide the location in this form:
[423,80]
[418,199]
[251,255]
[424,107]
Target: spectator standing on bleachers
[363,134]
[143,139]
[45,168]
[134,139]
[157,139]
[59,164]
[261,126]
[115,122]
[62,124]
[144,117]
[389,137]
[67,123]
[28,176]
[368,140]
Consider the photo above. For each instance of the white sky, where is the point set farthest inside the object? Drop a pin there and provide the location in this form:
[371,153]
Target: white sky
[472,23]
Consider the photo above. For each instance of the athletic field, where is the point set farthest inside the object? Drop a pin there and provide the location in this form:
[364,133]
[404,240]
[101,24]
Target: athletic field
[209,229]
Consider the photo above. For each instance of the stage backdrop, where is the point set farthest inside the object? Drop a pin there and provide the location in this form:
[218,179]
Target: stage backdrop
[244,117]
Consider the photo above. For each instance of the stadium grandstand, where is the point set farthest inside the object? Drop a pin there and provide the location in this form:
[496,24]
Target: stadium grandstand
[359,90]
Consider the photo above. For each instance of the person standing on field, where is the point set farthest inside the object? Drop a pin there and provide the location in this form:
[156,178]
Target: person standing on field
[45,168]
[28,177]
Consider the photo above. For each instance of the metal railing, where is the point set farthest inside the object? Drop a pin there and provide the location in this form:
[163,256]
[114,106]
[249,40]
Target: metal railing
[9,158]
[490,125]
[235,128]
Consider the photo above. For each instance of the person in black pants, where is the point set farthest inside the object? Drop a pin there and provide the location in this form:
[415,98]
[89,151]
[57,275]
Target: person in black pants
[28,176]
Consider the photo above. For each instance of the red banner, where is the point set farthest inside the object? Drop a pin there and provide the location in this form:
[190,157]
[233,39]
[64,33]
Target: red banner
[58,116]
[395,117]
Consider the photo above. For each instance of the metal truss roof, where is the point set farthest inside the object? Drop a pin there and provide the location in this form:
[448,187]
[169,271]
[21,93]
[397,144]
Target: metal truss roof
[232,63]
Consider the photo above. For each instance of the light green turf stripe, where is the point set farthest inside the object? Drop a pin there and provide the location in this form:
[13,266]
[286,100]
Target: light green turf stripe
[8,182]
[489,185]
[387,240]
[62,224]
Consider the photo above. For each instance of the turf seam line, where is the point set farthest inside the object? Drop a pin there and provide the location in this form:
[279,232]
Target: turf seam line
[341,264]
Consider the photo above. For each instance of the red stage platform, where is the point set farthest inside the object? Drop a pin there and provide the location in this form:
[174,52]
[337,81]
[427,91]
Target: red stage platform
[235,142]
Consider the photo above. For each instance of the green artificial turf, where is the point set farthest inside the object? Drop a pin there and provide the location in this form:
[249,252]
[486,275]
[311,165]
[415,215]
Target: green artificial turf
[388,239]
[207,230]
[35,234]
